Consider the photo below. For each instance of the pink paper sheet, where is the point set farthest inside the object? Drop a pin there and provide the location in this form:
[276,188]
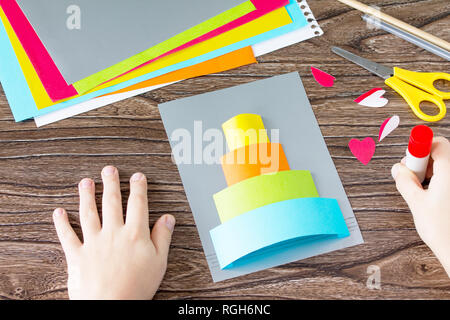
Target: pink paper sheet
[54,83]
[52,80]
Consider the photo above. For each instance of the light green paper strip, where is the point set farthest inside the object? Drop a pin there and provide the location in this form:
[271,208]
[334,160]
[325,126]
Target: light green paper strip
[263,190]
[98,78]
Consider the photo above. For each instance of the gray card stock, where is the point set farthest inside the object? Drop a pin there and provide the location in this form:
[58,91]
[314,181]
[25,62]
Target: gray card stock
[111,31]
[283,105]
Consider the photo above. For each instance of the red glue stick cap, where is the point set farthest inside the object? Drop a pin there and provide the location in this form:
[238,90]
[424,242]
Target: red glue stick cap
[420,141]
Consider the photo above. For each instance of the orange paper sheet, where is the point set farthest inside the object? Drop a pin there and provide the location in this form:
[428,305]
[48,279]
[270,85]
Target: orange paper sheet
[228,61]
[253,160]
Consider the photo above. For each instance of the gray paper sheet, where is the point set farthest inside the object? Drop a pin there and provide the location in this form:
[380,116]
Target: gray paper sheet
[112,30]
[282,103]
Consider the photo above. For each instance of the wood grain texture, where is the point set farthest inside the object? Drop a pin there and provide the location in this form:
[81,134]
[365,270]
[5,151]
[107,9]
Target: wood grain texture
[40,168]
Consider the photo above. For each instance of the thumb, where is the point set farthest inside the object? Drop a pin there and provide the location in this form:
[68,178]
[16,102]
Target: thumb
[162,234]
[407,183]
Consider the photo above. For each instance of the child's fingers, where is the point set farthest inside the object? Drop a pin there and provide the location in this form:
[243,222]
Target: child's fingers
[112,199]
[68,238]
[89,219]
[440,164]
[440,149]
[407,183]
[137,208]
[162,234]
[440,153]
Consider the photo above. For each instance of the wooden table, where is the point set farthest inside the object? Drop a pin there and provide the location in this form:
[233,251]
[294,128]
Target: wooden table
[40,168]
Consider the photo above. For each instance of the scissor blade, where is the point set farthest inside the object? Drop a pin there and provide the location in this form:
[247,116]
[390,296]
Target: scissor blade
[376,68]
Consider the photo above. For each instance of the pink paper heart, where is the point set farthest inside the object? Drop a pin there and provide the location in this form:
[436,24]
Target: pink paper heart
[362,150]
[323,78]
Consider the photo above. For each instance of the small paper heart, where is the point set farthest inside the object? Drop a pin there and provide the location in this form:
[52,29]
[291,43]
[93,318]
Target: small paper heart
[373,98]
[389,125]
[323,78]
[362,150]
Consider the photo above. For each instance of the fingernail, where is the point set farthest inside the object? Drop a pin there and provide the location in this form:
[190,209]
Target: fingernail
[170,222]
[403,160]
[394,171]
[86,183]
[58,212]
[109,170]
[137,176]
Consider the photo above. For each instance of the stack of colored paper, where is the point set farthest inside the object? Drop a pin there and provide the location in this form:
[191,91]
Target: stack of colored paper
[61,58]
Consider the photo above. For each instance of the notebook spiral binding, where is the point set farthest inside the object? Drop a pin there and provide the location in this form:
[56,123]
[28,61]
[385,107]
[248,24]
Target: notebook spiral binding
[312,22]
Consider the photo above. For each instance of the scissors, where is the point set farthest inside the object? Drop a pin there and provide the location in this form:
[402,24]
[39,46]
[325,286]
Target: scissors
[414,87]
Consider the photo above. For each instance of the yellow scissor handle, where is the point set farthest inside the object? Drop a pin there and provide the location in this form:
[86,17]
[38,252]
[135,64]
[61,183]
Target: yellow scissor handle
[424,80]
[414,96]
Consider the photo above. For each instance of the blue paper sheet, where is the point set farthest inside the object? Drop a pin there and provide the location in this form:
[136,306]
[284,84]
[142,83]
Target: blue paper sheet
[24,107]
[12,79]
[255,234]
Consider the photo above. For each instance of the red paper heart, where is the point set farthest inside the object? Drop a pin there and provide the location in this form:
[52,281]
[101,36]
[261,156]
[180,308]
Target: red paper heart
[362,150]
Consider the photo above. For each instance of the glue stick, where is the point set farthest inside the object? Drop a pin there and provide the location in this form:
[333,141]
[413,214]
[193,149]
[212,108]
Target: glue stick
[418,152]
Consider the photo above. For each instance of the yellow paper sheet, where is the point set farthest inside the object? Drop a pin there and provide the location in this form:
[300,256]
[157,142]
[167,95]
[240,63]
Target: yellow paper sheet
[243,130]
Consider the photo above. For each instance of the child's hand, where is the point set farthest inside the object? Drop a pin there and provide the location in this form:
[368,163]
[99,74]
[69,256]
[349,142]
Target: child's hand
[116,260]
[430,208]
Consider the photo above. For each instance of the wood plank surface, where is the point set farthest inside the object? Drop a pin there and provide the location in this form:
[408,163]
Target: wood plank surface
[40,169]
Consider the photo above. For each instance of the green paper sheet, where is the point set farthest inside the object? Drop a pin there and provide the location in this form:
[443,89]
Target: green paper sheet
[263,190]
